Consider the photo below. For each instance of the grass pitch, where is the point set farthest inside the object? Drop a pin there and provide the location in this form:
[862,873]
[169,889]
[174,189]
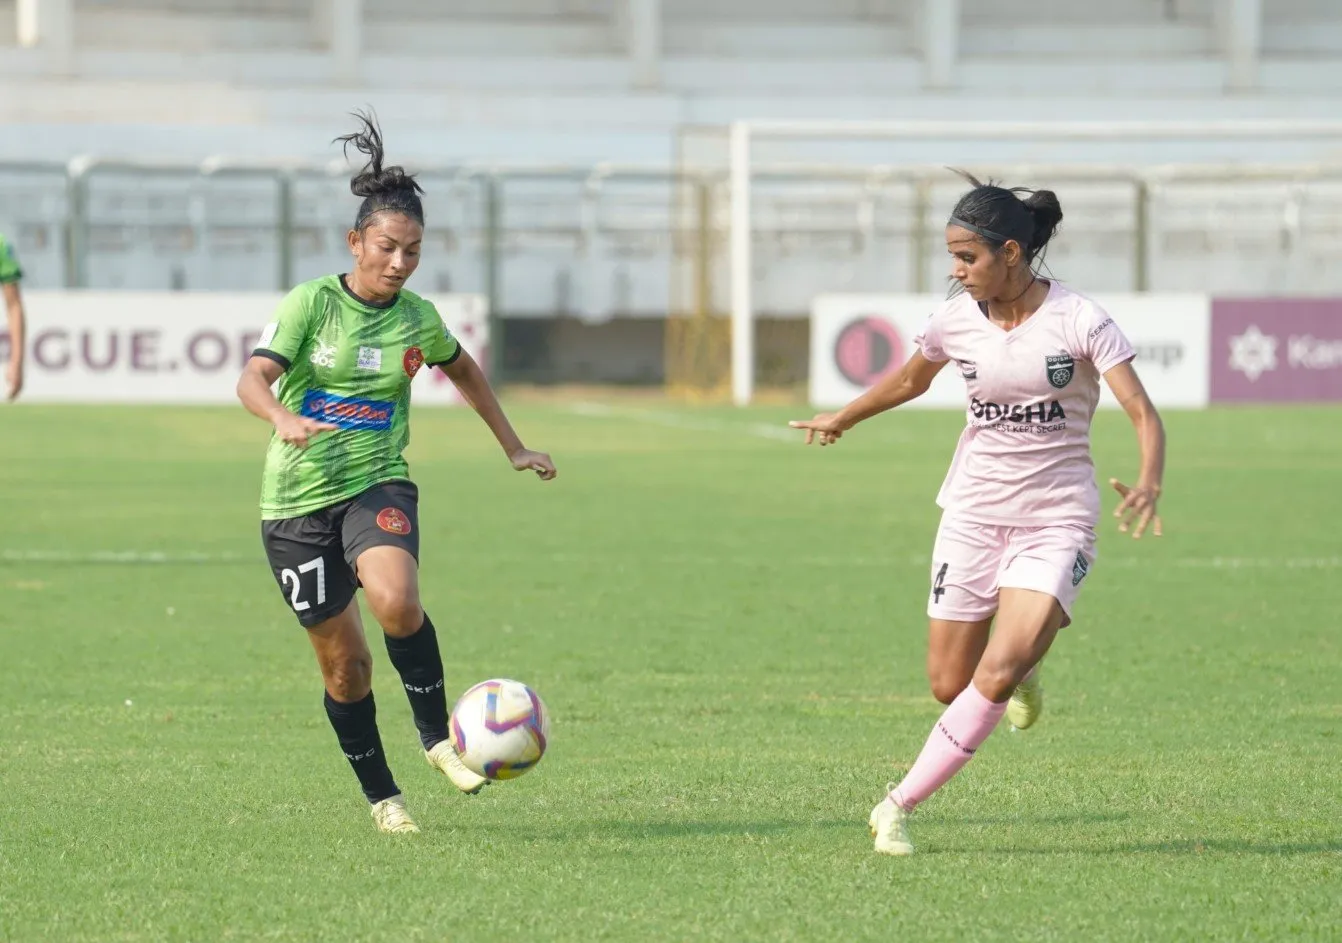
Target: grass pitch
[729,631]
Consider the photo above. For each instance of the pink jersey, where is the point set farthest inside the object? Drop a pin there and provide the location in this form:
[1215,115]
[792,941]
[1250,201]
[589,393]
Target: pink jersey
[1024,457]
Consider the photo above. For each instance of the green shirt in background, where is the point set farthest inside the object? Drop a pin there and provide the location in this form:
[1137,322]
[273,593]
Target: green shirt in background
[9,263]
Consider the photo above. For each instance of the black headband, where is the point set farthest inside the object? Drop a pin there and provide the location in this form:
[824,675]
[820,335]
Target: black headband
[397,202]
[979,230]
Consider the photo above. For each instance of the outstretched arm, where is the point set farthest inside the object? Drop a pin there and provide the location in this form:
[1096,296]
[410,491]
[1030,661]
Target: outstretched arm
[1139,502]
[470,381]
[907,383]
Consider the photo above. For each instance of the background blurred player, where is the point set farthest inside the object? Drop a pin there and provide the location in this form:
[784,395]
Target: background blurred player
[10,276]
[338,508]
[1017,536]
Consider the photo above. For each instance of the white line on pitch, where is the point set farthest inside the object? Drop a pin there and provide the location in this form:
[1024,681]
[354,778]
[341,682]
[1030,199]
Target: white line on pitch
[156,557]
[767,558]
[760,430]
[132,557]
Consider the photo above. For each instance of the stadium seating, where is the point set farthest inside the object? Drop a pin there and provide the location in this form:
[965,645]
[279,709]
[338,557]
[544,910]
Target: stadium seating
[549,82]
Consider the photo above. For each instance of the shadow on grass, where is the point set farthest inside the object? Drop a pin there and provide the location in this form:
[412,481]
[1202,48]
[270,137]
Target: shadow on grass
[626,830]
[616,830]
[1067,818]
[1190,848]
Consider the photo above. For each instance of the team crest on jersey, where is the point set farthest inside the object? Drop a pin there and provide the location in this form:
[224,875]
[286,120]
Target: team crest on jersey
[393,521]
[969,370]
[412,361]
[1059,370]
[1079,569]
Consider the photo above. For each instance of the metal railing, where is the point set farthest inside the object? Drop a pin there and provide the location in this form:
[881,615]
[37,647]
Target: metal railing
[562,240]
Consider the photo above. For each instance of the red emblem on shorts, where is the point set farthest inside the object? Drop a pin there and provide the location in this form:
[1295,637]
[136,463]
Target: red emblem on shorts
[413,360]
[393,521]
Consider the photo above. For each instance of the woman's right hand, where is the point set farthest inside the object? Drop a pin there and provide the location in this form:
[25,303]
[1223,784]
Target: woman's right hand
[299,431]
[827,427]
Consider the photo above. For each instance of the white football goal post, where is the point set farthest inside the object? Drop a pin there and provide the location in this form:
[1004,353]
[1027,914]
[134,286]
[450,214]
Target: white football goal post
[744,134]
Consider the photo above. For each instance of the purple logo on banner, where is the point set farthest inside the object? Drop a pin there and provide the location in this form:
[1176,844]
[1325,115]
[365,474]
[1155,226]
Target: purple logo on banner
[1276,350]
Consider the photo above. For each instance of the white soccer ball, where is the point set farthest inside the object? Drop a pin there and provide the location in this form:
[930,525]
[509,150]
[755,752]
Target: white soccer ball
[500,728]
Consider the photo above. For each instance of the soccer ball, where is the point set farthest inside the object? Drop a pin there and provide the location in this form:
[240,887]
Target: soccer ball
[500,728]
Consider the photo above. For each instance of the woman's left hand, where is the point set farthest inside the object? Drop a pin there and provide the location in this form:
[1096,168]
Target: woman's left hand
[1138,505]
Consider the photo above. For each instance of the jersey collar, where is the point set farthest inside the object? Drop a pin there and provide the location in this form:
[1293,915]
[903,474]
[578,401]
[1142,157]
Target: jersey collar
[381,305]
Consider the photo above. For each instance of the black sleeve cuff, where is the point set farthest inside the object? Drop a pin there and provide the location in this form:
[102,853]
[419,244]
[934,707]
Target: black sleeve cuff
[271,355]
[450,360]
[17,277]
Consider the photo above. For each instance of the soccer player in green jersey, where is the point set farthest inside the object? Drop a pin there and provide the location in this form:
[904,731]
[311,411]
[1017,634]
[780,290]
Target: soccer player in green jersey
[10,275]
[338,508]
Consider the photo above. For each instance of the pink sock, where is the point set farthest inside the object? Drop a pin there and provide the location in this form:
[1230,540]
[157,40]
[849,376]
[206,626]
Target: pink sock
[965,725]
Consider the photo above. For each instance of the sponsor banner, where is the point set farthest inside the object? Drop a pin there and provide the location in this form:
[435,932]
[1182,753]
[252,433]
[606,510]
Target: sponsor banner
[181,347]
[1276,350]
[1172,336]
[858,339]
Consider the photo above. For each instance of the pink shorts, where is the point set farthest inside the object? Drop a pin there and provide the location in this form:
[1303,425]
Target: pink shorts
[972,562]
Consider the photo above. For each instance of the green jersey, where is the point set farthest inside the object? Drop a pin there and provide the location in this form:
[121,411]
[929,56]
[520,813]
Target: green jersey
[9,264]
[349,363]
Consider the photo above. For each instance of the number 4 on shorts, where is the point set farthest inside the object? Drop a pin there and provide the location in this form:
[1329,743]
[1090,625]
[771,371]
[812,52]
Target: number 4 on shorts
[939,583]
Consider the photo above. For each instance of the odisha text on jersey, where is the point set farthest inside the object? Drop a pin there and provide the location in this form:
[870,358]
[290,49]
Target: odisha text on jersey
[1015,412]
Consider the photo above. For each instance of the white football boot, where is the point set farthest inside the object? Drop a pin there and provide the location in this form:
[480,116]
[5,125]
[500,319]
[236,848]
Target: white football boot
[391,816]
[443,757]
[890,827]
[1027,703]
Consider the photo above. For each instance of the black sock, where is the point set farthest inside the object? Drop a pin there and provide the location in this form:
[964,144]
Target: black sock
[416,657]
[356,728]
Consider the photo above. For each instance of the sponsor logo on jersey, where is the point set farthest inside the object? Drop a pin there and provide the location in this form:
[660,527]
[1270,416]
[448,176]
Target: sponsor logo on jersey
[1051,411]
[393,521]
[324,355]
[1100,328]
[370,358]
[348,412]
[968,369]
[1059,370]
[412,361]
[1079,569]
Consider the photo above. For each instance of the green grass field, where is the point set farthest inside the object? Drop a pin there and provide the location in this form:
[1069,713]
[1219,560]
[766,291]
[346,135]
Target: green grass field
[729,631]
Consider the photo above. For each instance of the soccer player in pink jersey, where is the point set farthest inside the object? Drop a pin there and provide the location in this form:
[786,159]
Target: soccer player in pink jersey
[1020,502]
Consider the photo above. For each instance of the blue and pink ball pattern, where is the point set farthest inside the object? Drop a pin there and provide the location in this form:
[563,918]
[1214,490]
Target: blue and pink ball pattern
[500,728]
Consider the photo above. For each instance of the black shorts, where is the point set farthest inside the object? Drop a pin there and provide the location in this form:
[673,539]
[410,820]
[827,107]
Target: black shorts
[313,557]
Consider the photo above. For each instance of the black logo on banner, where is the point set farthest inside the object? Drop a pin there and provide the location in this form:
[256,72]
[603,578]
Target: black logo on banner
[866,349]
